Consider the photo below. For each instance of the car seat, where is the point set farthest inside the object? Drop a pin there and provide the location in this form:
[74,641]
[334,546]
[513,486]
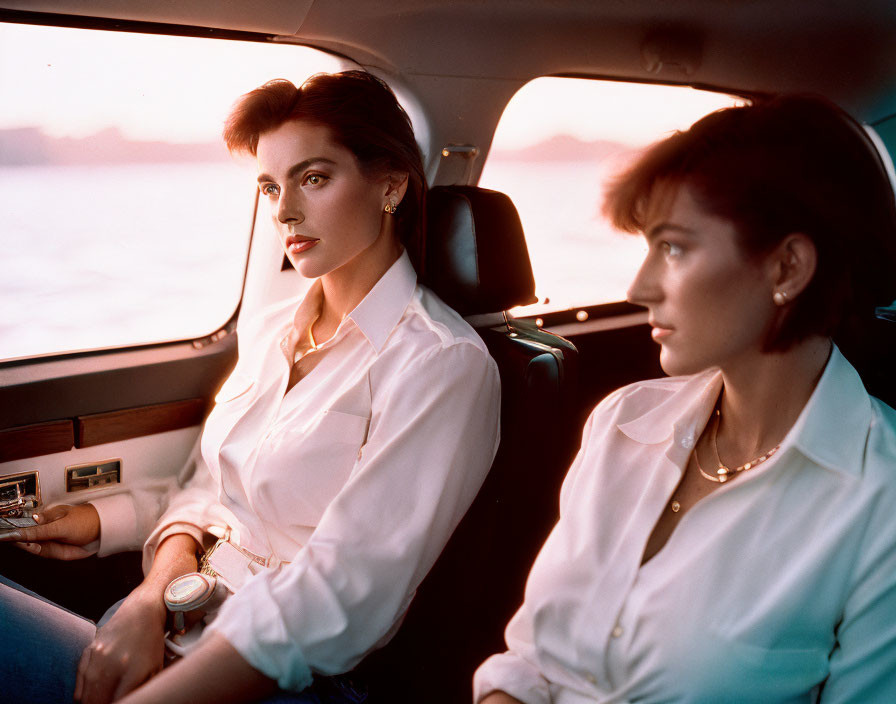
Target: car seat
[476,260]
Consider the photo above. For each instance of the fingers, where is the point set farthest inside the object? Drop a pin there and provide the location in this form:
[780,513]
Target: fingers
[27,535]
[106,677]
[52,514]
[124,654]
[33,548]
[47,527]
[83,665]
[75,525]
[130,682]
[96,680]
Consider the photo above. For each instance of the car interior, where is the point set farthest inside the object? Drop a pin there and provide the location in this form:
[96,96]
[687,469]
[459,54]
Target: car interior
[96,415]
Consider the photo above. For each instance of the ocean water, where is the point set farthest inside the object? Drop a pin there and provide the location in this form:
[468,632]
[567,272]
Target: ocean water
[111,255]
[578,259]
[100,256]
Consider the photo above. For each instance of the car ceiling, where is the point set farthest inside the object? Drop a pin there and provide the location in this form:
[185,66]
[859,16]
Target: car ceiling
[844,49]
[472,55]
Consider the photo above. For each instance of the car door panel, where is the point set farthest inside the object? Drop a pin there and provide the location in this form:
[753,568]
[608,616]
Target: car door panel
[141,408]
[55,388]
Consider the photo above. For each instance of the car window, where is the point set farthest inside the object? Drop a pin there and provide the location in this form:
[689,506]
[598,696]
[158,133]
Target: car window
[558,141]
[124,219]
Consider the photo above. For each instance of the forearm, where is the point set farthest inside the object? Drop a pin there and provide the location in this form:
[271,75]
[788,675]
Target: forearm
[214,672]
[176,556]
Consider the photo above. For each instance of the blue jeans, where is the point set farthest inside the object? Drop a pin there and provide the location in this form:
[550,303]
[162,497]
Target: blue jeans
[41,644]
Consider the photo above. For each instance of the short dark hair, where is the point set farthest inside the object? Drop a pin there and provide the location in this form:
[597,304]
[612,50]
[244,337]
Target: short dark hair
[362,114]
[781,165]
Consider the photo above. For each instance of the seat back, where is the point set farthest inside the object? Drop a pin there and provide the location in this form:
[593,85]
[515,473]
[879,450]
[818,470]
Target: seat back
[477,261]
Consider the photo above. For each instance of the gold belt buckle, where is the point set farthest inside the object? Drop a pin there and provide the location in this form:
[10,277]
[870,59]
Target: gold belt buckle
[204,566]
[253,563]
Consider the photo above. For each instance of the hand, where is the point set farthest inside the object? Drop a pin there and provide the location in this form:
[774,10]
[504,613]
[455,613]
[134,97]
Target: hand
[125,653]
[213,672]
[61,533]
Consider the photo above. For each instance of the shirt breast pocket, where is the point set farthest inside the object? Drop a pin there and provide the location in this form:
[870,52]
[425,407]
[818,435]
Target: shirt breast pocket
[303,470]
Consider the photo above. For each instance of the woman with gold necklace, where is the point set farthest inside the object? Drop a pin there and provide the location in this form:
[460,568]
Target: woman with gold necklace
[727,534]
[356,428]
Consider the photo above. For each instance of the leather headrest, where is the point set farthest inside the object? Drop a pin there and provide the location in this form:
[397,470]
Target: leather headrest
[476,255]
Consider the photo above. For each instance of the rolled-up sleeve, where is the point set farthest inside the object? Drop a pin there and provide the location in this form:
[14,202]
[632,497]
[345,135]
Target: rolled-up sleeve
[433,435]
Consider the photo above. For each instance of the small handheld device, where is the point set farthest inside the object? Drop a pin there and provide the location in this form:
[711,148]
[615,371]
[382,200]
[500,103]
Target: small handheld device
[190,592]
[223,569]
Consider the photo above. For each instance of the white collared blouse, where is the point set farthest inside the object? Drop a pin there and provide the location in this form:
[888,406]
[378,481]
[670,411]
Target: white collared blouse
[768,588]
[351,482]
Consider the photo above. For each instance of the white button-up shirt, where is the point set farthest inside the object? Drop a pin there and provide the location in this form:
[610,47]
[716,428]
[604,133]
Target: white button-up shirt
[768,587]
[351,482]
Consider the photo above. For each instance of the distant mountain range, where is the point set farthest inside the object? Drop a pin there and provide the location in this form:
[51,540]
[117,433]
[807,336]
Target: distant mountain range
[563,147]
[30,146]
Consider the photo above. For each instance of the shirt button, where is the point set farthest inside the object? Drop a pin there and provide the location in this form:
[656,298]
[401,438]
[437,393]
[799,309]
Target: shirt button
[616,632]
[687,442]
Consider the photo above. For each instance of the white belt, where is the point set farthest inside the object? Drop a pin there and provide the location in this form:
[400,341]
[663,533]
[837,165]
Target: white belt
[234,564]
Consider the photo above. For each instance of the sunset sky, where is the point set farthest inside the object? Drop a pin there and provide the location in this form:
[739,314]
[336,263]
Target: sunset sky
[149,86]
[179,89]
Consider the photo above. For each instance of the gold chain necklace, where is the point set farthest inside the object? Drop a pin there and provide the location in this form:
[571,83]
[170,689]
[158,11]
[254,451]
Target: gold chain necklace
[298,355]
[723,473]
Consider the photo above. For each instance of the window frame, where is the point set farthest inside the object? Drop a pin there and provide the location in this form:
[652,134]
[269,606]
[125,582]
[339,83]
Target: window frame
[46,369]
[596,317]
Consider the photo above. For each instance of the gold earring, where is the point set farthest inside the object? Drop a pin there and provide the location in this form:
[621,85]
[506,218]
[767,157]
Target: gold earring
[780,298]
[390,208]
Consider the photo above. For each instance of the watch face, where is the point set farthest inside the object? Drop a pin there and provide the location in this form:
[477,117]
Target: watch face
[190,588]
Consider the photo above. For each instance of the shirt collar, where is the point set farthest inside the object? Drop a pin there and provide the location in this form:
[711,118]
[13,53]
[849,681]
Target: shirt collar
[682,413]
[381,309]
[375,316]
[831,430]
[298,333]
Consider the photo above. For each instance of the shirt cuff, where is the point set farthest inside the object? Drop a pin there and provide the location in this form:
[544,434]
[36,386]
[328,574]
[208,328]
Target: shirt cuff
[512,674]
[259,635]
[118,524]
